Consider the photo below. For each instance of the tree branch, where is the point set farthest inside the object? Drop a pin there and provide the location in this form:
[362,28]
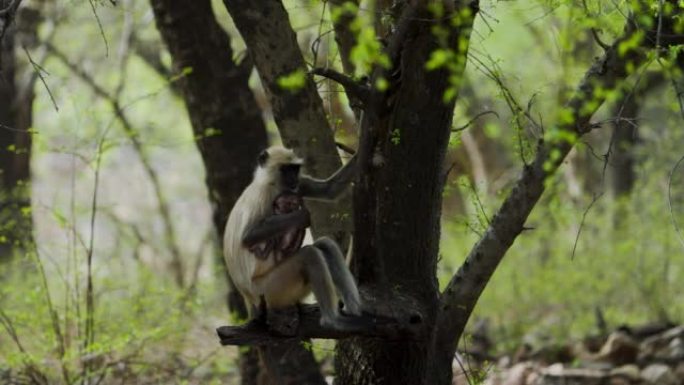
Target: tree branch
[7,16]
[344,37]
[406,322]
[354,89]
[151,55]
[10,8]
[255,333]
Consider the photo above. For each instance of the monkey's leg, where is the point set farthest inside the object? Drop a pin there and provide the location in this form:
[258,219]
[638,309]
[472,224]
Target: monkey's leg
[261,312]
[321,280]
[301,273]
[321,283]
[342,277]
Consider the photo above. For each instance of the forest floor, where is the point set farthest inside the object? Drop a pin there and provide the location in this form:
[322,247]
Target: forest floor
[645,355]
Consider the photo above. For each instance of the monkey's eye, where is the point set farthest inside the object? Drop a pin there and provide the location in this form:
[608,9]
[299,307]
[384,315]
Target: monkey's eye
[262,158]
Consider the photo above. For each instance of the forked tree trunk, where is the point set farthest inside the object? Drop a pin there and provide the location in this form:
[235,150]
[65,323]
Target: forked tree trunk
[399,200]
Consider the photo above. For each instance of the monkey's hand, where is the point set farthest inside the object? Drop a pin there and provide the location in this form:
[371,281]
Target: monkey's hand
[274,226]
[264,249]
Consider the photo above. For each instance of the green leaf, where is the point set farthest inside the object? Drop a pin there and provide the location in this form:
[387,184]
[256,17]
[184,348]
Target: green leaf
[438,58]
[293,81]
[381,84]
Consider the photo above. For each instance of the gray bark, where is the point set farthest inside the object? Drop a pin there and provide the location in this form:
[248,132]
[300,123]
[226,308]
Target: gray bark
[398,201]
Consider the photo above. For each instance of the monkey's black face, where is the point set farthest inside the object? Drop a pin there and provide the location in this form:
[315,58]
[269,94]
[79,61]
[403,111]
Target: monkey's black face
[289,175]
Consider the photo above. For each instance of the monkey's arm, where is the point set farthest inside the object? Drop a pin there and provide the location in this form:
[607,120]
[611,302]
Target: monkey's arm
[330,188]
[275,225]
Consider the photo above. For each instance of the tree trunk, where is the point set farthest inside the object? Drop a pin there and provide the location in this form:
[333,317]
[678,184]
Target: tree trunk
[224,115]
[622,158]
[412,137]
[623,144]
[16,103]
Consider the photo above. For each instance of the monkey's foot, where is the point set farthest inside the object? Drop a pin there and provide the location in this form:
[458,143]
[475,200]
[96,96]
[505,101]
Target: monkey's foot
[351,308]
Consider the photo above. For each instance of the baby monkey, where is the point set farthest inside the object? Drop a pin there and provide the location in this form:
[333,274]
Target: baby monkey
[276,249]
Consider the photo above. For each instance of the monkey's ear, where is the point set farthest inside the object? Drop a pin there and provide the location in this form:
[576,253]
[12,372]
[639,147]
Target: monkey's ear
[263,157]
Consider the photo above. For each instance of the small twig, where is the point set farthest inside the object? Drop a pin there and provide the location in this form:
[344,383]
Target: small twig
[99,24]
[6,322]
[90,296]
[480,206]
[659,33]
[315,45]
[581,226]
[124,50]
[598,40]
[447,172]
[39,71]
[471,121]
[463,369]
[353,88]
[594,32]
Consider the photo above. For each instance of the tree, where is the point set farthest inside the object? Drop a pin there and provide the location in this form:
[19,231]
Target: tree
[407,103]
[16,115]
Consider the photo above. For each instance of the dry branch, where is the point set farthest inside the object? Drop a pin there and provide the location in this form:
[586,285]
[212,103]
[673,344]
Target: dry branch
[357,92]
[307,326]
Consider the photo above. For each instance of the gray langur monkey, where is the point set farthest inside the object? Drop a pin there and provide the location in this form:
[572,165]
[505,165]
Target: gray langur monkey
[263,237]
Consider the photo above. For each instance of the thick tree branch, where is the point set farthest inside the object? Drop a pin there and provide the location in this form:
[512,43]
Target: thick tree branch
[255,333]
[464,289]
[7,15]
[151,55]
[10,8]
[353,88]
[344,36]
[391,317]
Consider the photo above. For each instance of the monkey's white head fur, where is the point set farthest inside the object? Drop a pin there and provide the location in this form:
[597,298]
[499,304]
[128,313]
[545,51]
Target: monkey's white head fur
[269,163]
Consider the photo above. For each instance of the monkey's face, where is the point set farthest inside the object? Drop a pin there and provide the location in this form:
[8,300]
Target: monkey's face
[280,166]
[289,176]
